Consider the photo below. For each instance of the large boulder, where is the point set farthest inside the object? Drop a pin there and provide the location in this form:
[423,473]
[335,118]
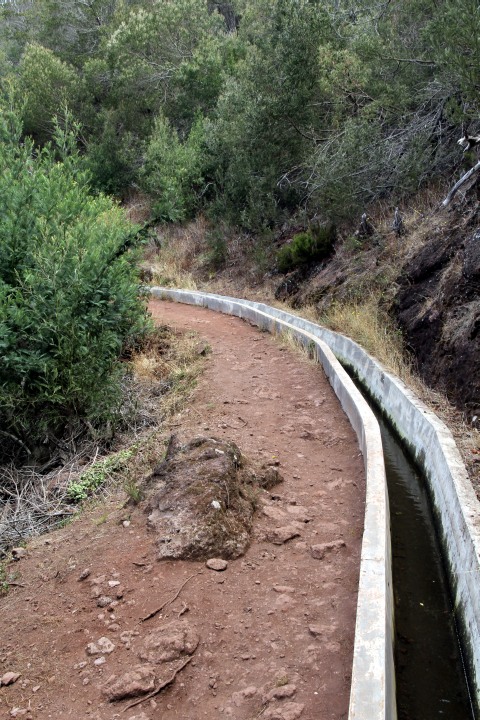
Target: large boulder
[202,500]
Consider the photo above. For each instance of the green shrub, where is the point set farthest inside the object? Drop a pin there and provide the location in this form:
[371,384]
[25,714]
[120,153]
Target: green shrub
[172,171]
[69,295]
[98,474]
[216,255]
[45,86]
[306,247]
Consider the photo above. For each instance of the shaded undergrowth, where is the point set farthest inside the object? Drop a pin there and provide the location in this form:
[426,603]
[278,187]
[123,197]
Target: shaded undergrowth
[158,379]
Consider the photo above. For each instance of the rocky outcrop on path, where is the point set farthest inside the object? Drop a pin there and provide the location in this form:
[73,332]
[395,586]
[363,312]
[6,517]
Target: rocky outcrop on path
[202,499]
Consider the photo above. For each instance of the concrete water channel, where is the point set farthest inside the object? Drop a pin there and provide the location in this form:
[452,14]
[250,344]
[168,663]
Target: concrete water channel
[431,681]
[436,572]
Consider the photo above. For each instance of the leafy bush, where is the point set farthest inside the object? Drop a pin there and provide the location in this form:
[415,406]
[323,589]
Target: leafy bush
[172,170]
[216,255]
[46,86]
[306,247]
[69,297]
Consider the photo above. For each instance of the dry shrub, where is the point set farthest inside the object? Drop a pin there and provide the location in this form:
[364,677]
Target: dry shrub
[177,255]
[138,207]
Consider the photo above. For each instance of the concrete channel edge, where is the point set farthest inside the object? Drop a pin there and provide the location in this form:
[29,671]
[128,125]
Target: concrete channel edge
[454,502]
[372,694]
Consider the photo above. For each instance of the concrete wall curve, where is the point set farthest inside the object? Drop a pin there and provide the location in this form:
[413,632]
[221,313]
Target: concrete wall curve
[454,502]
[372,695]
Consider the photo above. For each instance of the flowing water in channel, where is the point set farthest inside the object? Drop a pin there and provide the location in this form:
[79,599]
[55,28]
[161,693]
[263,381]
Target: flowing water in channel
[430,677]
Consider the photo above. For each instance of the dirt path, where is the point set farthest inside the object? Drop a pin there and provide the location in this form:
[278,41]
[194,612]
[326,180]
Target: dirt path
[275,629]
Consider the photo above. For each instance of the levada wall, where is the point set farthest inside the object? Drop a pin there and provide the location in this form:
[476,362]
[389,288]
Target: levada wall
[372,695]
[454,502]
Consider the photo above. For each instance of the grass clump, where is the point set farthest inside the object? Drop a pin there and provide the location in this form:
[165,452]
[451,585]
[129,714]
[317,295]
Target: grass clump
[4,584]
[306,247]
[98,474]
[369,324]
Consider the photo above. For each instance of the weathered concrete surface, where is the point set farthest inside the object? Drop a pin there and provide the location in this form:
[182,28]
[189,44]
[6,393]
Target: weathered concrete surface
[455,504]
[454,501]
[373,679]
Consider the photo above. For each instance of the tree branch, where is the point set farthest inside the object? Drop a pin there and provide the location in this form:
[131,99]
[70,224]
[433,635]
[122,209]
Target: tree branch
[415,61]
[459,184]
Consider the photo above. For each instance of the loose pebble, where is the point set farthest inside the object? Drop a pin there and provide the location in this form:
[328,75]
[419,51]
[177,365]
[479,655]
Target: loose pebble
[217,564]
[9,678]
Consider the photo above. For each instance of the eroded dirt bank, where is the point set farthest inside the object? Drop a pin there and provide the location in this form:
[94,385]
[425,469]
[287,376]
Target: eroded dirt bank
[274,630]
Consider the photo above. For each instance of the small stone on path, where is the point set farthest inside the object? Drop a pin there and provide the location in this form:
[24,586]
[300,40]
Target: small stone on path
[280,693]
[138,681]
[287,711]
[18,553]
[104,601]
[319,551]
[18,712]
[101,647]
[9,678]
[279,536]
[283,589]
[170,642]
[84,575]
[217,564]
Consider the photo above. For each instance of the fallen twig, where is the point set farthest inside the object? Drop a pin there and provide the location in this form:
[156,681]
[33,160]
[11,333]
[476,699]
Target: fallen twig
[459,184]
[184,609]
[261,711]
[160,687]
[168,602]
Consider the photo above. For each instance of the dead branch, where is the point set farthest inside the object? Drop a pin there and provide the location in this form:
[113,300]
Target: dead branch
[459,184]
[17,440]
[168,602]
[415,61]
[160,687]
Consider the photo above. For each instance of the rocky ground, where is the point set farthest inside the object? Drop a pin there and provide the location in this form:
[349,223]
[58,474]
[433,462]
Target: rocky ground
[96,626]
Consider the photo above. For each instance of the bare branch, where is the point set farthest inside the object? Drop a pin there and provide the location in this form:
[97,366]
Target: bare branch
[459,184]
[415,61]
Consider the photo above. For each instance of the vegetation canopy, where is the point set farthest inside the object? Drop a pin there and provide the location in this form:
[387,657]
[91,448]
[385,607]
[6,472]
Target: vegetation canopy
[69,297]
[251,111]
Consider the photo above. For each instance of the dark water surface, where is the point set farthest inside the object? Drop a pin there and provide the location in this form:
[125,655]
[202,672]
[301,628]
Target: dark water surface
[431,682]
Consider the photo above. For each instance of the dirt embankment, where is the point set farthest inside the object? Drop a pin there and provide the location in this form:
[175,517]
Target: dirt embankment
[438,308]
[429,281]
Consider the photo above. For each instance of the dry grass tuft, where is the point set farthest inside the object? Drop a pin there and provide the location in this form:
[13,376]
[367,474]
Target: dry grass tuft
[138,207]
[176,256]
[368,324]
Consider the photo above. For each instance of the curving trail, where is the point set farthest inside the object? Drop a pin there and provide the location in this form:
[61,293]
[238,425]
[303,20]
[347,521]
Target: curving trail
[278,406]
[276,628]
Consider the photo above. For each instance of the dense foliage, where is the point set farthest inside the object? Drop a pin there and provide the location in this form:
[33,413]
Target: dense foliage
[252,110]
[306,247]
[69,298]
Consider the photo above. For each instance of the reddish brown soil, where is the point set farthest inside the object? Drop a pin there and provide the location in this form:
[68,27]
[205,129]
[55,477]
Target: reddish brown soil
[276,618]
